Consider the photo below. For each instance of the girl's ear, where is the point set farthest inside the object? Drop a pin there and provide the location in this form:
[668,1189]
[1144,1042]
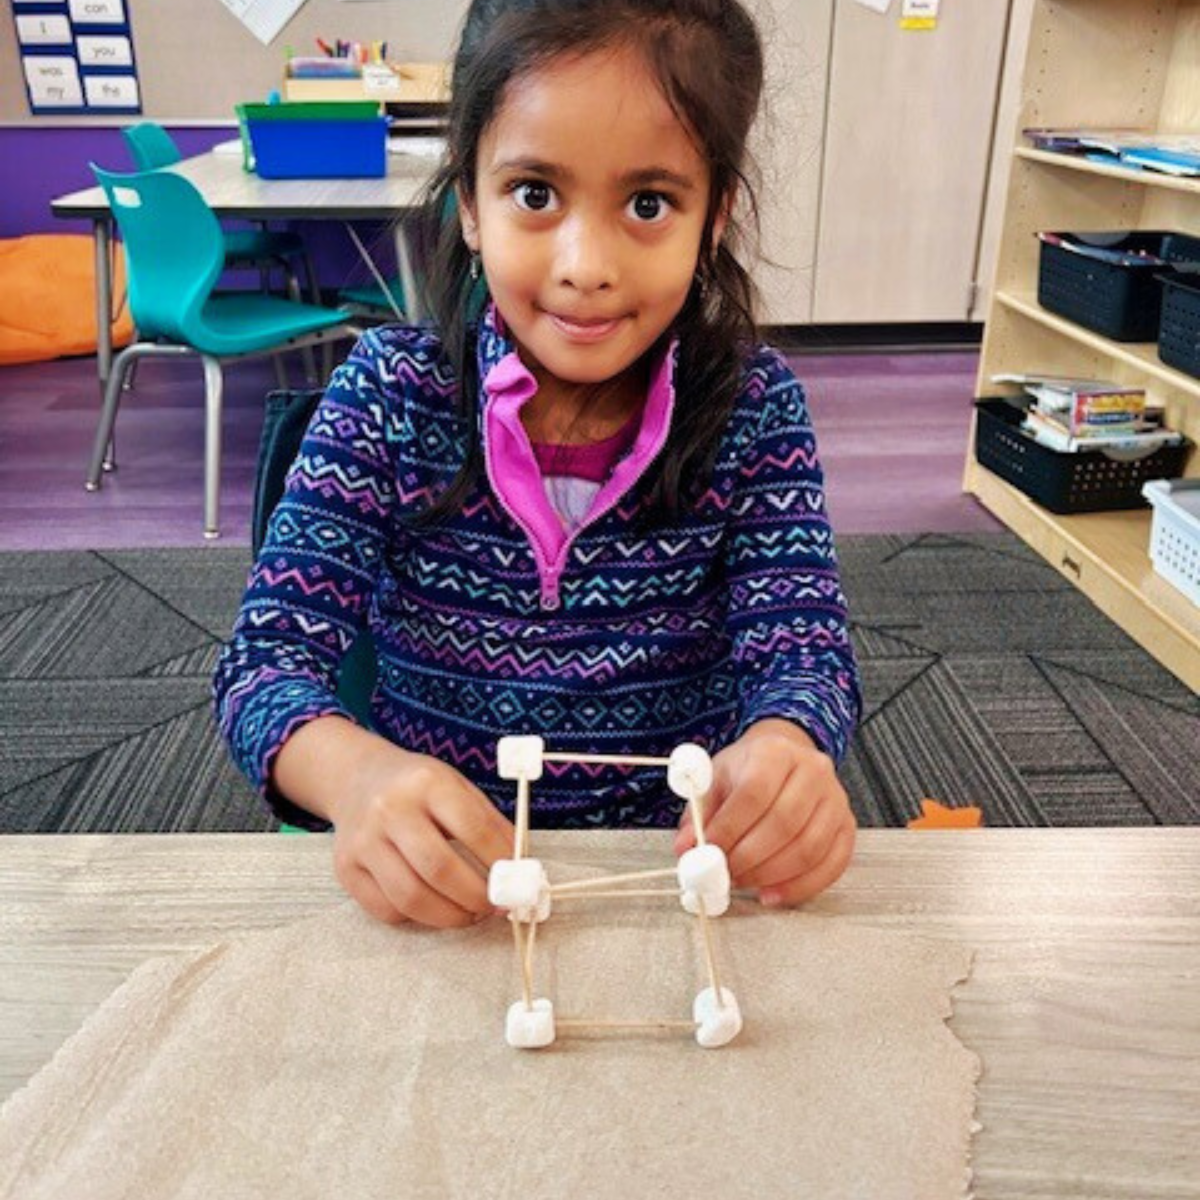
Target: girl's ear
[721,220]
[468,220]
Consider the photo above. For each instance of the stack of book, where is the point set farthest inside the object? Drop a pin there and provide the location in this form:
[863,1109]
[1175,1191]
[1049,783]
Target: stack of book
[1077,415]
[1170,153]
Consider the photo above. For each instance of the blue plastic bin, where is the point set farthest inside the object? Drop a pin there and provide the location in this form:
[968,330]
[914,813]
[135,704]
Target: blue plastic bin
[302,149]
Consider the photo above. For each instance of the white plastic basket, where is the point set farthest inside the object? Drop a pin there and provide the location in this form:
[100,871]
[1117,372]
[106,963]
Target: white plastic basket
[1175,532]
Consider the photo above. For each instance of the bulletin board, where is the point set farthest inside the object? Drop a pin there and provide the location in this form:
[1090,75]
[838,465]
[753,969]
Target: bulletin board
[193,60]
[76,57]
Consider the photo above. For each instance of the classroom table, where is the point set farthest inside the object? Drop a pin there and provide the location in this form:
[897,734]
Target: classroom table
[1083,1003]
[233,192]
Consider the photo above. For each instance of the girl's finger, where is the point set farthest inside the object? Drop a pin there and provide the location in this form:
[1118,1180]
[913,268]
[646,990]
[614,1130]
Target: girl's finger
[469,817]
[746,803]
[827,873]
[409,893]
[781,823]
[802,853]
[365,891]
[424,847]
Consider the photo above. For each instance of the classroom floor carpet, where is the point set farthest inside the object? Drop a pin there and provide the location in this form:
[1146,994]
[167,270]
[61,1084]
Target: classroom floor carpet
[989,680]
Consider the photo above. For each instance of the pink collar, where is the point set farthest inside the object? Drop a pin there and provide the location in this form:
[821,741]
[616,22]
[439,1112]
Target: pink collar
[512,466]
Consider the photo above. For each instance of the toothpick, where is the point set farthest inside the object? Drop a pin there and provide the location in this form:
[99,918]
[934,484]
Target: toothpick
[697,817]
[580,885]
[628,760]
[526,973]
[521,839]
[616,894]
[714,977]
[578,1024]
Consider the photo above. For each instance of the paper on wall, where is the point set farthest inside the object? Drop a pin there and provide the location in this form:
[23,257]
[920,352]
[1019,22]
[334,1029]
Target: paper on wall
[264,18]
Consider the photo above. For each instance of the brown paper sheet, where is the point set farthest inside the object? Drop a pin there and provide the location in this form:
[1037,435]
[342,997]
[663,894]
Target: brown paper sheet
[340,1057]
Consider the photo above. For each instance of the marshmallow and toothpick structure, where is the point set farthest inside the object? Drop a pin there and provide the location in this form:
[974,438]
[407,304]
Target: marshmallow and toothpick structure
[520,884]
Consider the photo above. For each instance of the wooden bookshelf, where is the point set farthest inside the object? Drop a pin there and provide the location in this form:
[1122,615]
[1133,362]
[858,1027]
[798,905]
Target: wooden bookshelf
[1103,64]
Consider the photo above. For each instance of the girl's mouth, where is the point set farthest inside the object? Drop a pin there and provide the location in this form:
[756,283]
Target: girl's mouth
[579,330]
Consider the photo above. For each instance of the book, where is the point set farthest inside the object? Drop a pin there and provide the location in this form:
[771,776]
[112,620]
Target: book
[1140,442]
[1183,161]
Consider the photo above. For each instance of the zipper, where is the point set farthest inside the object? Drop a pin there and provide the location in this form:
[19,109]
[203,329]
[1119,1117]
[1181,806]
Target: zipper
[550,587]
[549,597]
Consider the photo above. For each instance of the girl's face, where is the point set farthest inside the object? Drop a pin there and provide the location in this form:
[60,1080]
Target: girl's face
[588,215]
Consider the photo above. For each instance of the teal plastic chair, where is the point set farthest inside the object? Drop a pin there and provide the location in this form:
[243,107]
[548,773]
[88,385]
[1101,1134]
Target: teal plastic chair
[153,148]
[174,256]
[372,301]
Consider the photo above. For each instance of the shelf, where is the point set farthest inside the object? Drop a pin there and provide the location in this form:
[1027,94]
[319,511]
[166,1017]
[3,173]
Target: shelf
[1068,162]
[1105,555]
[1141,355]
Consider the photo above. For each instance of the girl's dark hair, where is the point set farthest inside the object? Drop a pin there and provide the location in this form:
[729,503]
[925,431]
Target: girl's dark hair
[707,58]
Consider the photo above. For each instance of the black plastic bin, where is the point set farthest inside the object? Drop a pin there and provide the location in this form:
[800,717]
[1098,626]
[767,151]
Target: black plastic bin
[1121,301]
[1179,333]
[1090,481]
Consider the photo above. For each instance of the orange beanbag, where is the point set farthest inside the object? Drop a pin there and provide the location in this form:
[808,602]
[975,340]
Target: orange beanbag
[48,297]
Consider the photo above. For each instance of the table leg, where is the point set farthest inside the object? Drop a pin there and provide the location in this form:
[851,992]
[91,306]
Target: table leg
[412,296]
[102,240]
[405,273]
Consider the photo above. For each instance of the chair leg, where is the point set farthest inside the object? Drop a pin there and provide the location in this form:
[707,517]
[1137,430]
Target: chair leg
[131,378]
[309,358]
[314,292]
[108,416]
[214,385]
[281,375]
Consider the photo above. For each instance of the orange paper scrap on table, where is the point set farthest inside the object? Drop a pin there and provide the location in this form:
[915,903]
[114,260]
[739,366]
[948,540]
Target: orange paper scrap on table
[938,816]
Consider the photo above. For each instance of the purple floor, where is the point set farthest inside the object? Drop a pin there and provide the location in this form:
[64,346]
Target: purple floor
[892,431]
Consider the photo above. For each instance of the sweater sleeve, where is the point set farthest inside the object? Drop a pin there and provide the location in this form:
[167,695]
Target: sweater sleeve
[787,614]
[312,585]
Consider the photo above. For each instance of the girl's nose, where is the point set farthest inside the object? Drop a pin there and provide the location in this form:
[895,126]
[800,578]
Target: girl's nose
[585,258]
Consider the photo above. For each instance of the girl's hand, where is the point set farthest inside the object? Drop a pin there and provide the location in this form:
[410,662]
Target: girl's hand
[391,847]
[779,812]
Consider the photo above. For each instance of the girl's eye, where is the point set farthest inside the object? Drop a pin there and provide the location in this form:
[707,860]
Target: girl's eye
[533,196]
[650,207]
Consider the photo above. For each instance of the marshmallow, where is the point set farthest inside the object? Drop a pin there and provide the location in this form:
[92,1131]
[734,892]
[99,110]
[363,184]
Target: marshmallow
[529,913]
[716,1025]
[715,904]
[530,1028]
[704,869]
[520,885]
[518,757]
[689,770]
[704,875]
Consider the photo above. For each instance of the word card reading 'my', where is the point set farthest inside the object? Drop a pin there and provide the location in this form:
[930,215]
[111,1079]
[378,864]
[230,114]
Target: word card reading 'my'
[77,56]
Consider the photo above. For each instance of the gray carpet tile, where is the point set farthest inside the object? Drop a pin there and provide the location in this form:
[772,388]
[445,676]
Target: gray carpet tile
[928,741]
[1155,747]
[883,679]
[58,638]
[205,585]
[200,662]
[28,578]
[173,778]
[45,724]
[987,680]
[1131,670]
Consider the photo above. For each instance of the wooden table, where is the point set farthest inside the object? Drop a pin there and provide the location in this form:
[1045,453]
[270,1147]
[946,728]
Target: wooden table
[233,192]
[1084,1002]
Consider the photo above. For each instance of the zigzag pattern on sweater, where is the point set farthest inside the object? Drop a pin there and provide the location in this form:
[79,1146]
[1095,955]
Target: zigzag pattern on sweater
[688,632]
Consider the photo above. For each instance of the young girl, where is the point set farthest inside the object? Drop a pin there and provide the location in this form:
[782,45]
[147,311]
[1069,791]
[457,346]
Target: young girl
[585,504]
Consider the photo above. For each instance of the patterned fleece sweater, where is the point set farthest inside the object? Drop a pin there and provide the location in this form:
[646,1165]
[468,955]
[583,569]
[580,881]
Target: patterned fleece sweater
[498,621]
